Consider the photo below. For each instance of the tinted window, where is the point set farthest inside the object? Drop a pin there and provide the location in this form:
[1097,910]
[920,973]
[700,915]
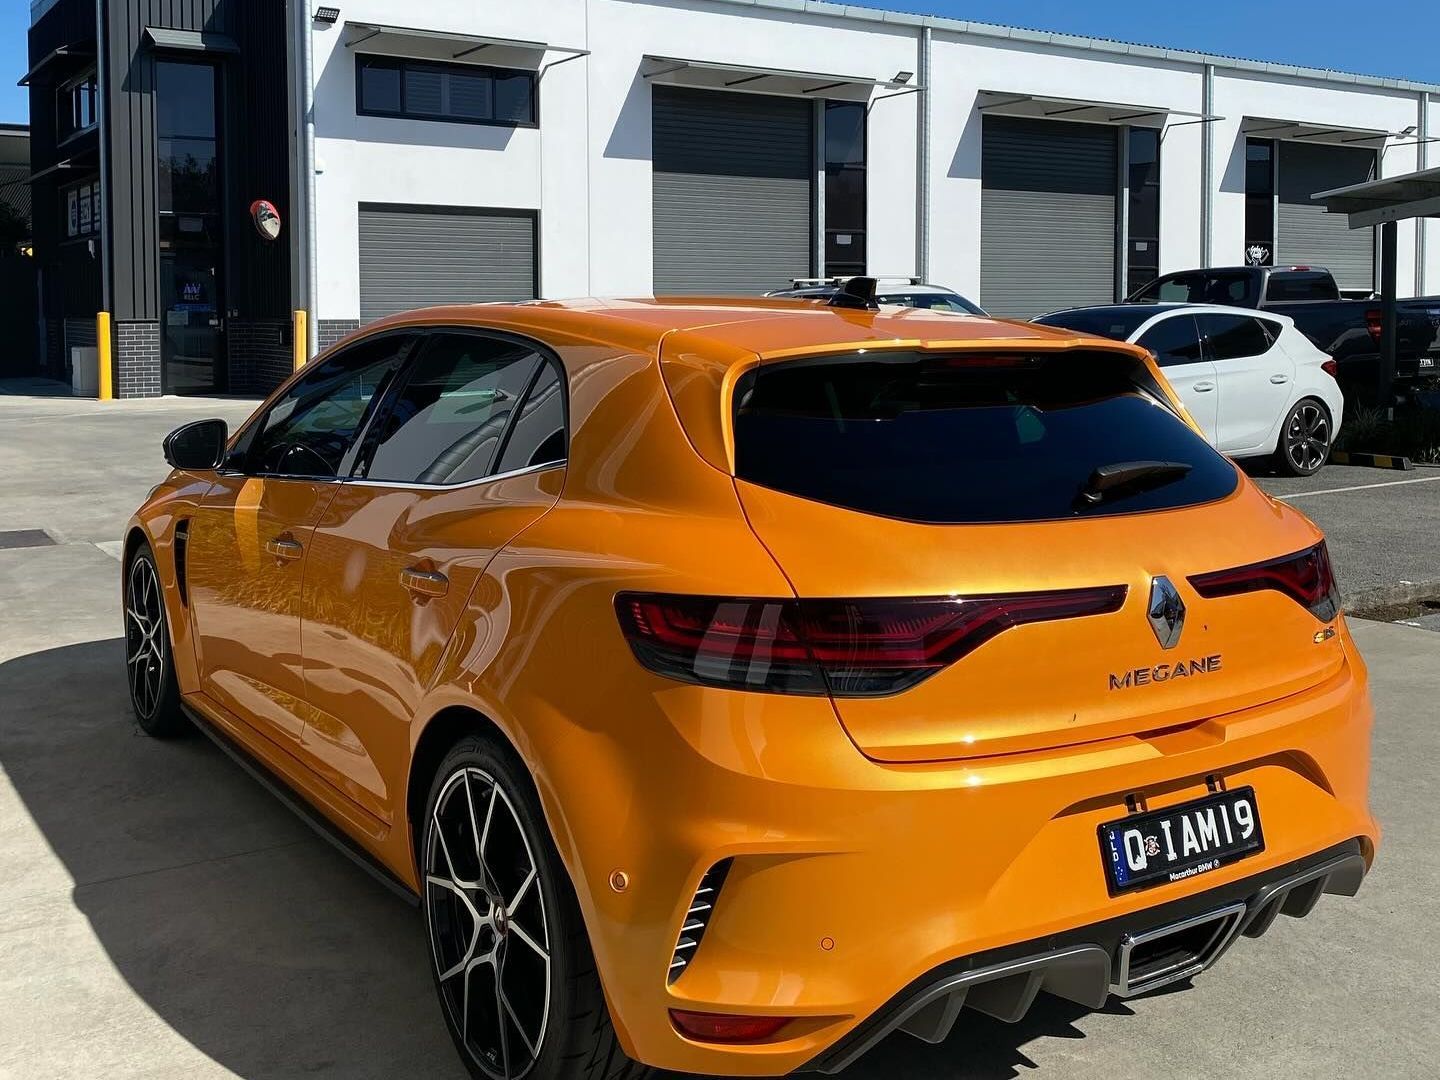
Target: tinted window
[308,431]
[1111,322]
[1199,289]
[538,434]
[465,93]
[448,418]
[933,439]
[1174,341]
[1301,285]
[1232,336]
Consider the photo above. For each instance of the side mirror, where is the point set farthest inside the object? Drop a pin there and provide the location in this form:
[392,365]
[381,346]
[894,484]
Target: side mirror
[197,446]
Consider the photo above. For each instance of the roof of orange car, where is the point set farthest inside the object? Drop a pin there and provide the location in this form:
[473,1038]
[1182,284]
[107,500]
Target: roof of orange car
[771,327]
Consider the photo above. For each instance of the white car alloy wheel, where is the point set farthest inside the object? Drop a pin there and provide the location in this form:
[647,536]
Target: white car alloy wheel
[1306,438]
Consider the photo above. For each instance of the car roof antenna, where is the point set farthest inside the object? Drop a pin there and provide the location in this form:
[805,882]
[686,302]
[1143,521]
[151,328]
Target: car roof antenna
[856,292]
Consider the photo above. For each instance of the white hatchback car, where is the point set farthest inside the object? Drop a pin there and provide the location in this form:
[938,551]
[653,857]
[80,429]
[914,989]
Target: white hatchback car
[1254,383]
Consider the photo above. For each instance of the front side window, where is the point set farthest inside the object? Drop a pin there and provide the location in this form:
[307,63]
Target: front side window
[965,438]
[451,418]
[1230,337]
[460,93]
[309,431]
[1174,341]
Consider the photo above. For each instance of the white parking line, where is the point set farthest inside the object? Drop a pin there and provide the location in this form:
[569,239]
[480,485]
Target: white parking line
[1361,487]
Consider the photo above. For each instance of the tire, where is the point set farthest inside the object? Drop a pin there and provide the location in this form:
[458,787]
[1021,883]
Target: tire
[1305,438]
[149,656]
[507,929]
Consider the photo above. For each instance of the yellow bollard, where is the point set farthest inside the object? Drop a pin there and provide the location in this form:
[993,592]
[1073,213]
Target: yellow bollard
[102,349]
[299,339]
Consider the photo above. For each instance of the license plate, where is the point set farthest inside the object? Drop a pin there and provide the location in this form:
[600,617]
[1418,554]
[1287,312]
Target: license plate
[1427,361]
[1181,841]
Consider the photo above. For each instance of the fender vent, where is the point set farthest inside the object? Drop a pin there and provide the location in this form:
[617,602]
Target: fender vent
[182,542]
[702,906]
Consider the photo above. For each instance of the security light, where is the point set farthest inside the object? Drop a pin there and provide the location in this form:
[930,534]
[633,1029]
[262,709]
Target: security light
[1408,131]
[902,77]
[327,15]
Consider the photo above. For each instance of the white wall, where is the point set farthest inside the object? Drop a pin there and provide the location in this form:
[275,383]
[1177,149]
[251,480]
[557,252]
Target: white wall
[587,167]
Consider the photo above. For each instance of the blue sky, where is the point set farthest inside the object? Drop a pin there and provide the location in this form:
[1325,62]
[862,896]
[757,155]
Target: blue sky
[1373,37]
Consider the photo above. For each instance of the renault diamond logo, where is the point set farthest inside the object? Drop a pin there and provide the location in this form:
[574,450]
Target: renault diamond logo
[1167,612]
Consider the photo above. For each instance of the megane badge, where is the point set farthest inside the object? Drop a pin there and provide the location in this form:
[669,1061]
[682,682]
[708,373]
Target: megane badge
[1166,611]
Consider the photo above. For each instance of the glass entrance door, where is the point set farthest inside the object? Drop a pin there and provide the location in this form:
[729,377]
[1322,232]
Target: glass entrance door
[192,256]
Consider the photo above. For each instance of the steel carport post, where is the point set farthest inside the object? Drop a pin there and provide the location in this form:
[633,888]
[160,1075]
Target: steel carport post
[1388,331]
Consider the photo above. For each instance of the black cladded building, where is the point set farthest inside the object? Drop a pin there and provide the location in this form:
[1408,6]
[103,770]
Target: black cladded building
[155,125]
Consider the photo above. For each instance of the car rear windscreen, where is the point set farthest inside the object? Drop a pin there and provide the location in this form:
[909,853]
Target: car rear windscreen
[970,438]
[1117,322]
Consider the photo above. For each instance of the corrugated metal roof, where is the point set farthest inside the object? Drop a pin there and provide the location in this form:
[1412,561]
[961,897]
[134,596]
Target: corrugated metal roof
[1076,41]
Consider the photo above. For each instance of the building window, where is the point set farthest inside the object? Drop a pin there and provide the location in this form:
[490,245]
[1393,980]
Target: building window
[457,93]
[80,210]
[1259,202]
[76,104]
[1142,260]
[844,188]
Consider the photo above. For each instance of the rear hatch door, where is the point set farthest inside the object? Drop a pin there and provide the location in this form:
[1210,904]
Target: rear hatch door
[913,474]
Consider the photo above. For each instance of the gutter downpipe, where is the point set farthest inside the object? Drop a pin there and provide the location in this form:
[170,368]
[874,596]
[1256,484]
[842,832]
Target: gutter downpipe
[1207,164]
[308,165]
[922,161]
[1422,160]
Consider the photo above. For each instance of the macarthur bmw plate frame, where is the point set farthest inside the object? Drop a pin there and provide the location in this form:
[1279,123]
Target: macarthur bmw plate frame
[1181,841]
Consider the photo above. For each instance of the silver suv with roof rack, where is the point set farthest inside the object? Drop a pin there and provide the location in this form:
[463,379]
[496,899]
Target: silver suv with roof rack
[900,291]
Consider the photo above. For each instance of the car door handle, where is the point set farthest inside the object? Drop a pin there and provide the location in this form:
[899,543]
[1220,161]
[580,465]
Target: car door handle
[1277,379]
[424,584]
[1202,387]
[285,548]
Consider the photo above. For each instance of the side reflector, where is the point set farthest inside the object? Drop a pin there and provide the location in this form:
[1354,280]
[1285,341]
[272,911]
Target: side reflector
[1306,577]
[723,1028]
[846,648]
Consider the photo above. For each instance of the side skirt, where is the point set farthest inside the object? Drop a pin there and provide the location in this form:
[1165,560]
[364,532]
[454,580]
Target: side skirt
[301,807]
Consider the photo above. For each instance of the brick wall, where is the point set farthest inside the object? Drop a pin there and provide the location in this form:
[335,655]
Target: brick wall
[329,331]
[260,356]
[137,359]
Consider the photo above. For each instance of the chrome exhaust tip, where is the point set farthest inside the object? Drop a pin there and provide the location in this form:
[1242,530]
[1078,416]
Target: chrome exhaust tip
[1154,958]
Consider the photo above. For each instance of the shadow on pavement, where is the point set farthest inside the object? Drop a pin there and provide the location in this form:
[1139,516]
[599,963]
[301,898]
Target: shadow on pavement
[265,950]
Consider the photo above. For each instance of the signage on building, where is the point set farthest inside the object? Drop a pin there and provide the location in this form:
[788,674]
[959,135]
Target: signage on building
[266,218]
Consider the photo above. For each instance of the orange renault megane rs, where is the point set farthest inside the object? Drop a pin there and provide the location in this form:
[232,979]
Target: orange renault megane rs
[650,645]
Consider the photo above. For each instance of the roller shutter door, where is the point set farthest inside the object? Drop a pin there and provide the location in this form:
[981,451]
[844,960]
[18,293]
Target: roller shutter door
[734,184]
[1048,204]
[424,256]
[1304,233]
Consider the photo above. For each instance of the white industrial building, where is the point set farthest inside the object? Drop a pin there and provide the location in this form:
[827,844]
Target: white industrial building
[464,150]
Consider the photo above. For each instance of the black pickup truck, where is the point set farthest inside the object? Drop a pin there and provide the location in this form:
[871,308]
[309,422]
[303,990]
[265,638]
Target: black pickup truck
[1349,330]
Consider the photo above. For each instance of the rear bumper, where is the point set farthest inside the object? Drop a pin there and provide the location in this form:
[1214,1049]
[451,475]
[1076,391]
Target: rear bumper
[1086,965]
[854,885]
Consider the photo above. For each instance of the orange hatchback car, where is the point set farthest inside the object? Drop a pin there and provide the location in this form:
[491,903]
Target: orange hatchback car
[734,683]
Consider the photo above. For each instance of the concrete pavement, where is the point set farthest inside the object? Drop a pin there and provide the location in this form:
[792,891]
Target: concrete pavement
[164,917]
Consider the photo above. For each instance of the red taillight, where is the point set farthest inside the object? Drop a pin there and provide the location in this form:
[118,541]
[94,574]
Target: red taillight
[848,648]
[1331,368]
[724,1028]
[1375,323]
[1305,577]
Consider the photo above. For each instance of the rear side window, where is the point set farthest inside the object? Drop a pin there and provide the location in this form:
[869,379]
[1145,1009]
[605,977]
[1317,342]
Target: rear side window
[450,415]
[1116,323]
[1301,285]
[968,439]
[1200,289]
[1230,337]
[1174,341]
[538,434]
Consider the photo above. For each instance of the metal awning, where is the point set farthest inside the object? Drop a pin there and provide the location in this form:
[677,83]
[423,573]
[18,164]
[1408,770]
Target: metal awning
[450,47]
[1043,107]
[67,165]
[1393,198]
[66,56]
[164,37]
[1260,127]
[711,75]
